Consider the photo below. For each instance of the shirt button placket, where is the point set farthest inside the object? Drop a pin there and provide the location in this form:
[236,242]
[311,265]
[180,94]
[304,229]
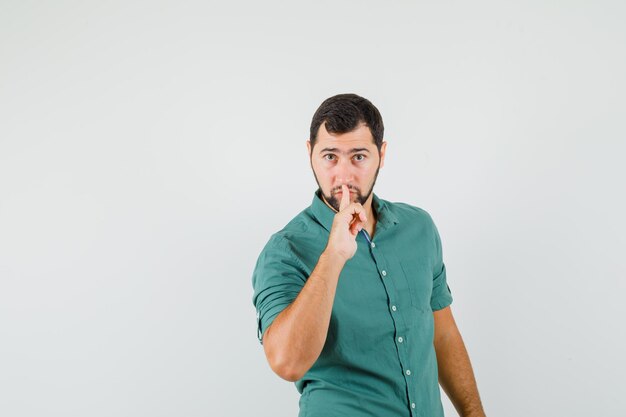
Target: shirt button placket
[400,339]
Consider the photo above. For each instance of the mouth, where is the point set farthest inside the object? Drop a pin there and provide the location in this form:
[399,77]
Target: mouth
[341,193]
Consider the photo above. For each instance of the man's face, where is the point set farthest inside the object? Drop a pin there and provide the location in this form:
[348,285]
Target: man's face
[349,158]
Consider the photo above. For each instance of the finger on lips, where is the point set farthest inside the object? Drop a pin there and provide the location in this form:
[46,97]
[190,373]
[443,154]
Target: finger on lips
[345,197]
[358,213]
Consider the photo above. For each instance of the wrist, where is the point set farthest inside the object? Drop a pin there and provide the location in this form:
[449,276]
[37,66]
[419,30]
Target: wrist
[334,257]
[474,413]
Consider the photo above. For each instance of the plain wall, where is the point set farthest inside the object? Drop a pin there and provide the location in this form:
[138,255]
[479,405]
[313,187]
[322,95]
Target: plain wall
[149,149]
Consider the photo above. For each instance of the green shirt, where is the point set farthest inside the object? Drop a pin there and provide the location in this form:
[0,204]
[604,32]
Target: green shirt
[378,359]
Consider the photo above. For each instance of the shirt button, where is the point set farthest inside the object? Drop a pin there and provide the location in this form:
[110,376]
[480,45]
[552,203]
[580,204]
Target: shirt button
[412,405]
[383,272]
[400,339]
[393,308]
[373,244]
[408,372]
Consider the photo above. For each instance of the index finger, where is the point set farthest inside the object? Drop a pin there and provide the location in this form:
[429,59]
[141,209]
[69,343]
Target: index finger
[345,197]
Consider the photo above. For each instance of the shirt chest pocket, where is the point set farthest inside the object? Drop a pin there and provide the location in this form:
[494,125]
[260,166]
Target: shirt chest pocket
[419,280]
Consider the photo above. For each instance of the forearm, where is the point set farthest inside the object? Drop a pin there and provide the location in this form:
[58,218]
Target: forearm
[297,335]
[456,375]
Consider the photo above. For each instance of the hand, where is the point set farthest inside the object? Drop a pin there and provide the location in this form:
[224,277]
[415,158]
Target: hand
[348,222]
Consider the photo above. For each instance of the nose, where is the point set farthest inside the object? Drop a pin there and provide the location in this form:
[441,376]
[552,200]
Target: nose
[344,172]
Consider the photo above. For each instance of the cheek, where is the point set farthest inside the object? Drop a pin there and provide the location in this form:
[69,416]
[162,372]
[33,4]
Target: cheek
[323,175]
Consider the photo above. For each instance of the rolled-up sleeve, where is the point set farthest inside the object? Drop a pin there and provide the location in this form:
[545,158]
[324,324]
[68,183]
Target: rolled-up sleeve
[277,280]
[441,296]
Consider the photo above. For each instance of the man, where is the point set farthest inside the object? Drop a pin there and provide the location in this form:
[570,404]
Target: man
[351,295]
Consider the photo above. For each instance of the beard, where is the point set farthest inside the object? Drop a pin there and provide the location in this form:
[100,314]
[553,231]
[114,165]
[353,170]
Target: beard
[335,202]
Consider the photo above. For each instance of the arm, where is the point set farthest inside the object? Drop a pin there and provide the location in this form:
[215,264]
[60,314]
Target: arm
[455,370]
[295,339]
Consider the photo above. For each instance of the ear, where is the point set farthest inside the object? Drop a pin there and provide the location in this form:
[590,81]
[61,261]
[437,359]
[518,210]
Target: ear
[383,149]
[308,147]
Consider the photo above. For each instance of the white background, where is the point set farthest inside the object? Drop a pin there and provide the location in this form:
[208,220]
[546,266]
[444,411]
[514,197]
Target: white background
[149,149]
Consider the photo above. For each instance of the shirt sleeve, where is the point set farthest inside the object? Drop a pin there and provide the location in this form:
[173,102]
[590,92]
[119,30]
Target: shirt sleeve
[441,296]
[277,280]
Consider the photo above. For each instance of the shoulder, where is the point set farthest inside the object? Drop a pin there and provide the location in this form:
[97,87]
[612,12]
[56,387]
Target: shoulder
[409,212]
[295,231]
[417,220]
[280,253]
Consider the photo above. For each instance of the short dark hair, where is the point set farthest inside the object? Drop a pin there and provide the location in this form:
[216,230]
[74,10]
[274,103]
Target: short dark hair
[345,112]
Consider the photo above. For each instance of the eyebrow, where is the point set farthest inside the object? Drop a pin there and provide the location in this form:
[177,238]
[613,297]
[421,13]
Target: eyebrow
[353,150]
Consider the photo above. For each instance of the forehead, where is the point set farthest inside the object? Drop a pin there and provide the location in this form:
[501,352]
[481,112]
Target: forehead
[360,137]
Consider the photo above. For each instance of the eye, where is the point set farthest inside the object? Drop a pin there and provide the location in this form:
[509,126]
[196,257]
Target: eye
[361,155]
[328,154]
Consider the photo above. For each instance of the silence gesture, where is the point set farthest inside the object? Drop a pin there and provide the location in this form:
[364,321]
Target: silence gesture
[348,222]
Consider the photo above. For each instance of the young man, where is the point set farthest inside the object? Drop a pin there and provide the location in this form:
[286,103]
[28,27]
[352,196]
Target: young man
[351,295]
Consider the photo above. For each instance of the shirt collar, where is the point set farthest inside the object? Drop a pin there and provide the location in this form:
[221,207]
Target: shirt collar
[325,215]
